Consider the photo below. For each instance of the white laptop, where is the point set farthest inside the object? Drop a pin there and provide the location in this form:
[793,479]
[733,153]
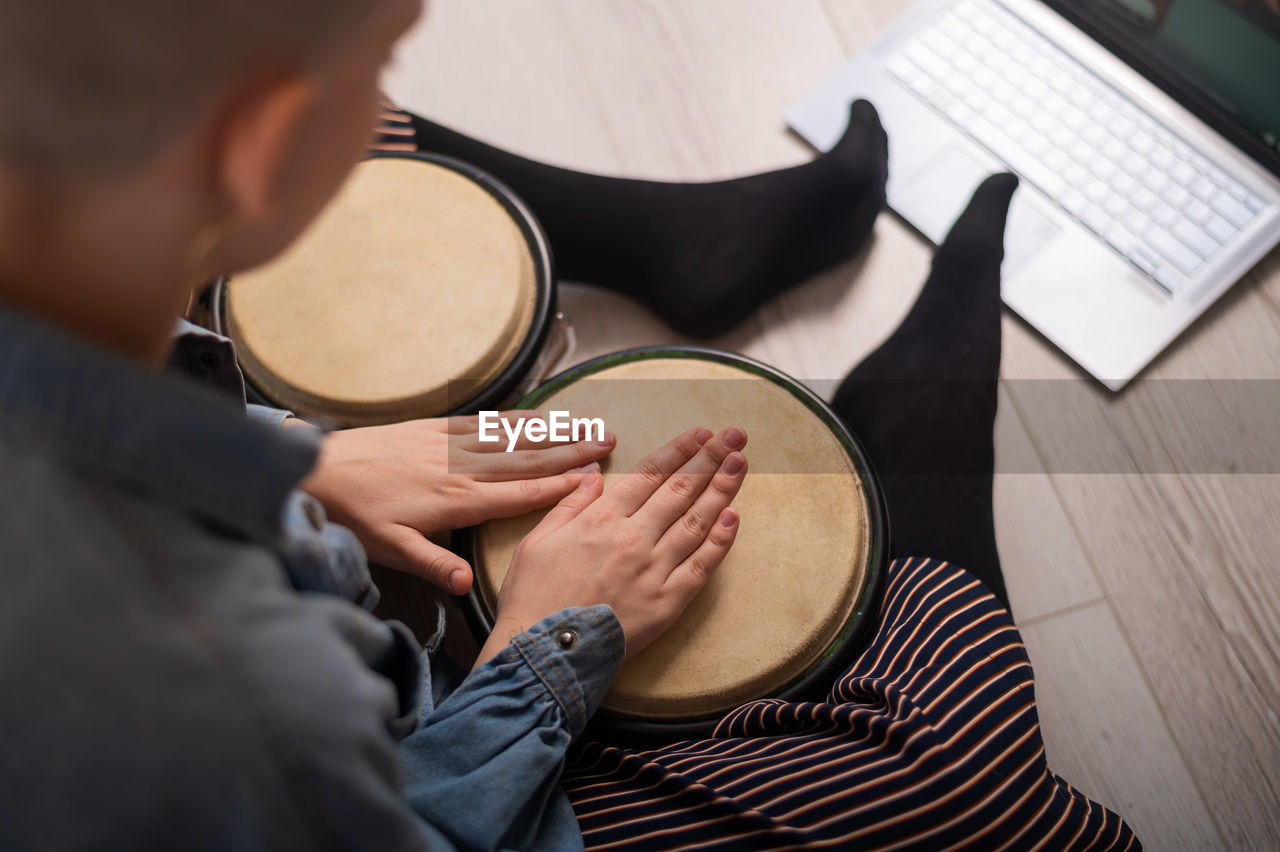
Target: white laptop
[1146,132]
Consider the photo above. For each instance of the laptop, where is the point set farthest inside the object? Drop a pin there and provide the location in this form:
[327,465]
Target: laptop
[1146,134]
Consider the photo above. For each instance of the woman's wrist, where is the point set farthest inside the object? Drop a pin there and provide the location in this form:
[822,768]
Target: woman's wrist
[505,628]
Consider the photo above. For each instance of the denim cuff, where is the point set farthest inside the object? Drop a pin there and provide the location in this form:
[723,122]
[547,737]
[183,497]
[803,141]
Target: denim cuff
[575,653]
[207,359]
[270,416]
[323,557]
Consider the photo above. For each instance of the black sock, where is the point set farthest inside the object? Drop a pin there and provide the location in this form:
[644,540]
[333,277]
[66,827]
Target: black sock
[703,256]
[924,403]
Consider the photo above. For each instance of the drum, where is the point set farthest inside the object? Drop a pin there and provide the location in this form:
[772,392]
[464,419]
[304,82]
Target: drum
[426,288]
[791,604]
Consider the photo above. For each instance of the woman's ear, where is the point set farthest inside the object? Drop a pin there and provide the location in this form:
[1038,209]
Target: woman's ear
[262,125]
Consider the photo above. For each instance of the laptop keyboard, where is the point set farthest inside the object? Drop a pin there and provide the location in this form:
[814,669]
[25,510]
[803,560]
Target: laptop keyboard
[1149,194]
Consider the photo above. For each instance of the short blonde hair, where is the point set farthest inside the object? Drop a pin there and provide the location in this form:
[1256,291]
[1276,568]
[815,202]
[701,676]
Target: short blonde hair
[103,83]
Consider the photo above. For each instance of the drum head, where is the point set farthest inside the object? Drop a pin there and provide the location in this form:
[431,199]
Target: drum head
[796,587]
[415,289]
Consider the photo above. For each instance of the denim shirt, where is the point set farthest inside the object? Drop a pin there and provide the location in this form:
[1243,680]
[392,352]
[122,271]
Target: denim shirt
[183,667]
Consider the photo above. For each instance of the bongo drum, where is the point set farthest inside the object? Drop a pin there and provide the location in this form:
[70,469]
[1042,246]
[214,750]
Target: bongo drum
[789,607]
[426,288]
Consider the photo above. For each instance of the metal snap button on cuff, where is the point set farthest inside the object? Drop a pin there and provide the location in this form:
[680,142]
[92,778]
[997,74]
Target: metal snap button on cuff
[566,639]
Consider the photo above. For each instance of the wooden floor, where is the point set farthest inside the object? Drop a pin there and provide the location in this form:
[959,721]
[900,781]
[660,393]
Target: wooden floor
[1150,603]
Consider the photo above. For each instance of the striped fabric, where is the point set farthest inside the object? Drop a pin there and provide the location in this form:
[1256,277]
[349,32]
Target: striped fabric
[930,741]
[395,130]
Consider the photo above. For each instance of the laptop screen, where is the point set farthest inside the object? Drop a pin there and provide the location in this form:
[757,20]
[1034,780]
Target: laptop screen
[1219,58]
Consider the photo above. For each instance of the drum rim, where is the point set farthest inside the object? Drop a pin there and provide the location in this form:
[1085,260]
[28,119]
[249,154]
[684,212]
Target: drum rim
[545,297]
[818,677]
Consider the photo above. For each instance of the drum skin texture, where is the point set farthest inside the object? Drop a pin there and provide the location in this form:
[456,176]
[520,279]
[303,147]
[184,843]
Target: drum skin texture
[801,559]
[415,288]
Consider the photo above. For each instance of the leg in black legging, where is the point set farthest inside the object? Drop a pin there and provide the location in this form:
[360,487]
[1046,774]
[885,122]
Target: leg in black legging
[924,403]
[703,256]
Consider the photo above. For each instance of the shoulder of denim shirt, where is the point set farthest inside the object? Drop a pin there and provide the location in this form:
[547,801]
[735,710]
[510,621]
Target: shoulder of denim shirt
[215,688]
[575,653]
[182,442]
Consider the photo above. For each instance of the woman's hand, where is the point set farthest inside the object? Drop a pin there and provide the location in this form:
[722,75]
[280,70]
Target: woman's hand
[395,485]
[645,548]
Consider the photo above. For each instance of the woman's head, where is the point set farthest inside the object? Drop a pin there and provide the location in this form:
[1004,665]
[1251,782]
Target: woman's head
[205,136]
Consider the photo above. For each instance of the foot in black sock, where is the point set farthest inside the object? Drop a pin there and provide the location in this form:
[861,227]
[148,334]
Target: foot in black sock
[924,403]
[703,256]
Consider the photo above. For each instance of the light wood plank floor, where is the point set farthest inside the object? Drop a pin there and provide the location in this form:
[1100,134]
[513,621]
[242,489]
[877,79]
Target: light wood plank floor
[1150,603]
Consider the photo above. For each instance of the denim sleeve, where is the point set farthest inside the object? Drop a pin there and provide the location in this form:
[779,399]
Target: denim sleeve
[207,359]
[268,415]
[483,768]
[323,557]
